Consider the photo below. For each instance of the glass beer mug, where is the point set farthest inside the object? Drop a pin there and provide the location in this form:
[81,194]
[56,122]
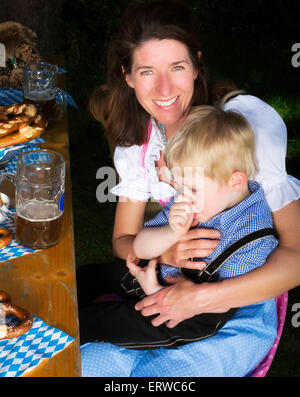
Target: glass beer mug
[40,89]
[39,198]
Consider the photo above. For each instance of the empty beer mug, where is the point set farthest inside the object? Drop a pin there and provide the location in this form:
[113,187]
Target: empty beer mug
[39,198]
[40,89]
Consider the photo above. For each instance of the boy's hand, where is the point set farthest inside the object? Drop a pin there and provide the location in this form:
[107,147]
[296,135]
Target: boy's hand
[181,215]
[146,276]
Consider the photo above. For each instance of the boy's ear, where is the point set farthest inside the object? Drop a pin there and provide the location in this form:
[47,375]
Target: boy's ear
[237,181]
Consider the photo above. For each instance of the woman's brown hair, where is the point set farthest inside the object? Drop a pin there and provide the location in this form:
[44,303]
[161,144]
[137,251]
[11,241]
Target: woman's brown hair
[114,104]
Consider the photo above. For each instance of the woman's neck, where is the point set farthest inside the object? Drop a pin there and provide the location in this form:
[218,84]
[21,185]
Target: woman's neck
[170,130]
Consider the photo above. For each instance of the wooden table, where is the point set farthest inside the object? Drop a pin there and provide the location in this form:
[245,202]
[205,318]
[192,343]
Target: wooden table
[44,282]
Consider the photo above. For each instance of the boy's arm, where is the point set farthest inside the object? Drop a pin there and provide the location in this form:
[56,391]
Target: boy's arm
[151,242]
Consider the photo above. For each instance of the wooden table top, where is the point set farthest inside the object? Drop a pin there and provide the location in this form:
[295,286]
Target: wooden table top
[44,282]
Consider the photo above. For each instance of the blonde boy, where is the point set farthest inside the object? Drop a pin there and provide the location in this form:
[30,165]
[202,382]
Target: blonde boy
[212,160]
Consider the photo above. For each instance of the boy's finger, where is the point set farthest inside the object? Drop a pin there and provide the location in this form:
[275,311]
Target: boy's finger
[152,263]
[182,207]
[178,220]
[131,265]
[133,268]
[184,197]
[131,258]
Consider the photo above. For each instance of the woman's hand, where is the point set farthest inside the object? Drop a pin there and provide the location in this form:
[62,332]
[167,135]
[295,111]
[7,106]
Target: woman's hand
[181,301]
[196,243]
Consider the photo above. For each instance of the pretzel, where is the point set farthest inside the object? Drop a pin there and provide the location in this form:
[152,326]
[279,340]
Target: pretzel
[21,123]
[5,237]
[28,131]
[11,125]
[16,109]
[13,331]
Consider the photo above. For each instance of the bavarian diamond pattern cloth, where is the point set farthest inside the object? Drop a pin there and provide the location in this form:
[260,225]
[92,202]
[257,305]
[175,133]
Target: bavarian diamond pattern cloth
[8,155]
[11,96]
[20,355]
[13,249]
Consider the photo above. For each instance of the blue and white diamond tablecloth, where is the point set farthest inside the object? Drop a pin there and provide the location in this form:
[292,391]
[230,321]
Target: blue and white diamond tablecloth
[11,96]
[14,249]
[20,355]
[8,157]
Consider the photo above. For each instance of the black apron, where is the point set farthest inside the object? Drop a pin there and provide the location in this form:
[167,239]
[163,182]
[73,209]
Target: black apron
[119,323]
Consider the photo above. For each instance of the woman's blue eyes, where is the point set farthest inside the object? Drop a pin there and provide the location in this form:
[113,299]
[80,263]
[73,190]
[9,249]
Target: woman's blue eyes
[149,72]
[178,67]
[146,72]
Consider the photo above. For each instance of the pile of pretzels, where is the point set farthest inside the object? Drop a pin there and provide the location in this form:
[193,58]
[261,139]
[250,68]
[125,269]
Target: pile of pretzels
[19,124]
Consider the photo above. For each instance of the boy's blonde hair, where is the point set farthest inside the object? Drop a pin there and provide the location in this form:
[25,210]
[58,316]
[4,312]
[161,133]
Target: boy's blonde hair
[219,141]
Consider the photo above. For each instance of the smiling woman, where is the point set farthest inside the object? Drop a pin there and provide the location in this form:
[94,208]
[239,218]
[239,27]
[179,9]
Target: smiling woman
[156,75]
[149,50]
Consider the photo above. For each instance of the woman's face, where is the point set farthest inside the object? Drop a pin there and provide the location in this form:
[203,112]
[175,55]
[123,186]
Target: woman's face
[162,76]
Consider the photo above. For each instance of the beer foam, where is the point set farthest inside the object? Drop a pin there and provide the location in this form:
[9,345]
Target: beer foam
[44,95]
[39,210]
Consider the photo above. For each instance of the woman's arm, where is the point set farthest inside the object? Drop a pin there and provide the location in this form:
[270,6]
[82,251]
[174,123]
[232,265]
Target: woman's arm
[280,273]
[129,219]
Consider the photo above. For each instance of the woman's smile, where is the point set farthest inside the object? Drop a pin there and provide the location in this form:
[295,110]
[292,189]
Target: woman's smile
[166,104]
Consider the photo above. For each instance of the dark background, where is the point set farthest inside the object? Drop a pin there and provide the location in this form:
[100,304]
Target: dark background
[246,41]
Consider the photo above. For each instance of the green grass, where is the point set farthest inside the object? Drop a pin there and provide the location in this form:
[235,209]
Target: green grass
[289,110]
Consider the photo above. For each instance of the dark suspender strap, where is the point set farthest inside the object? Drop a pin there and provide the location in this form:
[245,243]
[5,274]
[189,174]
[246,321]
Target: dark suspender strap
[205,274]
